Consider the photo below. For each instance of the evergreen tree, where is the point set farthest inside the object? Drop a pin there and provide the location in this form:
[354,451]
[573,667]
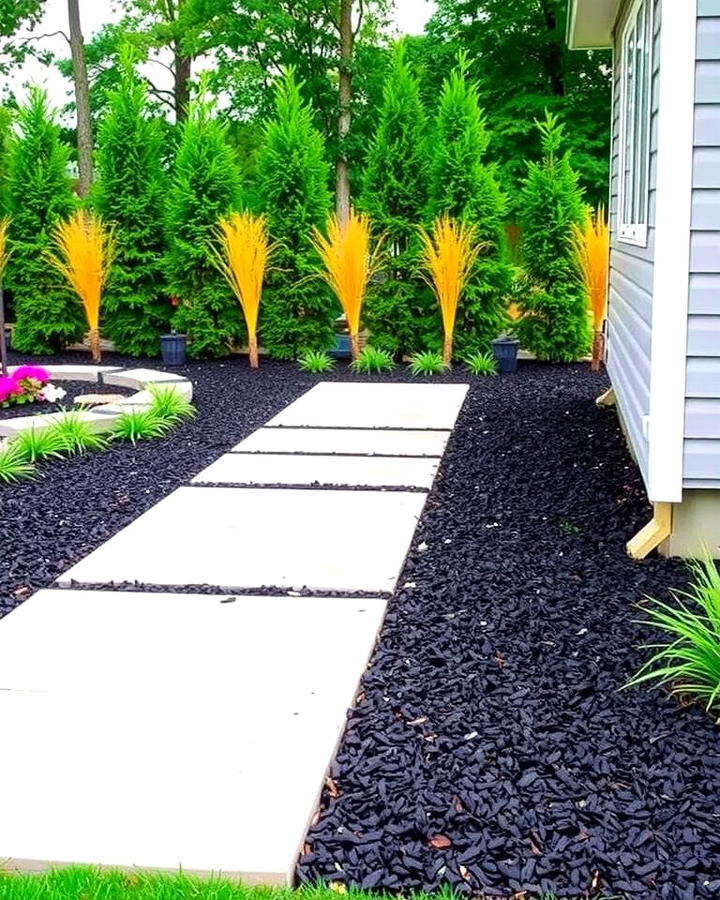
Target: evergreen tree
[130,193]
[466,188]
[5,126]
[553,301]
[395,196]
[293,175]
[205,186]
[39,195]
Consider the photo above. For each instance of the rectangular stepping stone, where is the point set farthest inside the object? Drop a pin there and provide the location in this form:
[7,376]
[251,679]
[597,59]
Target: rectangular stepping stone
[74,372]
[268,468]
[338,405]
[254,537]
[168,731]
[134,377]
[349,441]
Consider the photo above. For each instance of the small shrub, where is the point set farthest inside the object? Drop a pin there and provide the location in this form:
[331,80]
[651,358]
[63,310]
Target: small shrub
[170,404]
[481,364]
[371,359]
[13,465]
[690,663]
[316,362]
[140,425]
[76,435]
[36,443]
[427,363]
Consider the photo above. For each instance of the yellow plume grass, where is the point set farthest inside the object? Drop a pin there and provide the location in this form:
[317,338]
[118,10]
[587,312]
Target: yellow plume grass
[84,250]
[243,260]
[449,254]
[591,244]
[348,266]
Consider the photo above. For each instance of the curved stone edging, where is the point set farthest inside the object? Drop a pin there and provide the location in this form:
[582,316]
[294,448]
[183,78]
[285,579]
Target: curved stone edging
[100,418]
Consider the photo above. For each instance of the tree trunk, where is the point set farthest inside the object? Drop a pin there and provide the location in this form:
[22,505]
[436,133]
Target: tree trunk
[355,345]
[342,171]
[554,51]
[82,100]
[447,349]
[94,341]
[253,351]
[181,93]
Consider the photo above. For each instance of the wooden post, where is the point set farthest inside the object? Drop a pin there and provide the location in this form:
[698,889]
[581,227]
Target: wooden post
[354,345]
[253,351]
[94,341]
[447,349]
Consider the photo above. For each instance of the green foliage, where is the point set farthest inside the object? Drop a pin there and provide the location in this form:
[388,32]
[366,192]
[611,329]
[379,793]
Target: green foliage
[394,194]
[298,312]
[523,66]
[34,444]
[75,435]
[130,192]
[372,359]
[140,425]
[13,464]
[205,187]
[39,195]
[553,302]
[689,663]
[427,362]
[169,404]
[481,364]
[316,361]
[6,118]
[465,187]
[14,15]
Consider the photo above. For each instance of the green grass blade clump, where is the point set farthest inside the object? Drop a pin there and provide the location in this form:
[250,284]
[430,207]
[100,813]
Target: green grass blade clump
[688,662]
[427,363]
[34,444]
[140,425]
[317,362]
[372,360]
[481,364]
[75,435]
[13,464]
[170,404]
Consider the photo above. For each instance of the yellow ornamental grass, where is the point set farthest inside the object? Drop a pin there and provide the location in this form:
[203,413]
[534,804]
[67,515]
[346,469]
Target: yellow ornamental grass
[243,260]
[592,250]
[349,265]
[4,253]
[449,253]
[84,250]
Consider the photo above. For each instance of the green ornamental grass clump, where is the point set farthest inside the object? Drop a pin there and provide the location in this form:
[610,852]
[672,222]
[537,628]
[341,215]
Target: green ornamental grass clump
[373,360]
[13,464]
[140,425]
[481,363]
[427,362]
[170,404]
[552,298]
[76,435]
[317,362]
[34,444]
[205,187]
[293,174]
[130,192]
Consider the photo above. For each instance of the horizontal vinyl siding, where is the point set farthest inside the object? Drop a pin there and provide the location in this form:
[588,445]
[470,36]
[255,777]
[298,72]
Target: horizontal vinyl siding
[701,465]
[631,278]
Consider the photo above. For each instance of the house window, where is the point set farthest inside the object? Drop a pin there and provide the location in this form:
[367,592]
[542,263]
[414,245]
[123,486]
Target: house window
[635,100]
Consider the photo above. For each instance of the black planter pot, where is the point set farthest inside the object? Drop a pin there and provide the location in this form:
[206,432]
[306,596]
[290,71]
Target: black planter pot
[173,348]
[505,351]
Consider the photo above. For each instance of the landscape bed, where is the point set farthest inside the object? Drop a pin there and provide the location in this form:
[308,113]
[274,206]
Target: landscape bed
[490,749]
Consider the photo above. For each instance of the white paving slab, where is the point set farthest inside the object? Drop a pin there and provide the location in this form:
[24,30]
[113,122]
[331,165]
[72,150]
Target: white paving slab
[97,422]
[252,537]
[74,372]
[363,471]
[140,377]
[349,440]
[355,405]
[168,731]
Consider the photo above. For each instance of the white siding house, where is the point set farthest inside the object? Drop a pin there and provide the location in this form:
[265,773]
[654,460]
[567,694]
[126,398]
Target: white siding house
[663,348]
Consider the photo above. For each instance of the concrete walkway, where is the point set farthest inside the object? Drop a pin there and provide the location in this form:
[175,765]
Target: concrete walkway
[167,729]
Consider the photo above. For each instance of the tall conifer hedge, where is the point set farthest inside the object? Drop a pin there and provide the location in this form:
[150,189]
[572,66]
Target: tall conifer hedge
[130,192]
[39,195]
[293,176]
[555,323]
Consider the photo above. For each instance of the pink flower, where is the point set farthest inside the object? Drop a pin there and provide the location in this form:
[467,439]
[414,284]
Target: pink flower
[37,373]
[9,388]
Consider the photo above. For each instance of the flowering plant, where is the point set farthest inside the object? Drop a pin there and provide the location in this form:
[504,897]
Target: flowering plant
[23,385]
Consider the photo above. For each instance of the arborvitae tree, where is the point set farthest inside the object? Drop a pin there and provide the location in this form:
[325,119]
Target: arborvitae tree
[205,186]
[297,312]
[465,187]
[5,125]
[553,301]
[395,196]
[39,195]
[130,192]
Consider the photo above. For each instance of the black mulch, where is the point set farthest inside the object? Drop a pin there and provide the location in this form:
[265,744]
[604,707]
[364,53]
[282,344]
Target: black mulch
[489,749]
[72,390]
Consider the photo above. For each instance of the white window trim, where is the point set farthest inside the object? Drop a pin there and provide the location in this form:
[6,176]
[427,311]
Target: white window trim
[634,233]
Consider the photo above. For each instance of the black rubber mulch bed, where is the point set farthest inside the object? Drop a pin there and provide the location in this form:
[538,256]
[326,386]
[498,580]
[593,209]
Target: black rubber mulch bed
[72,390]
[490,749]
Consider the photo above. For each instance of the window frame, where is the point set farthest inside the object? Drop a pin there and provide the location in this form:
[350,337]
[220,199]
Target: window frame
[635,232]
